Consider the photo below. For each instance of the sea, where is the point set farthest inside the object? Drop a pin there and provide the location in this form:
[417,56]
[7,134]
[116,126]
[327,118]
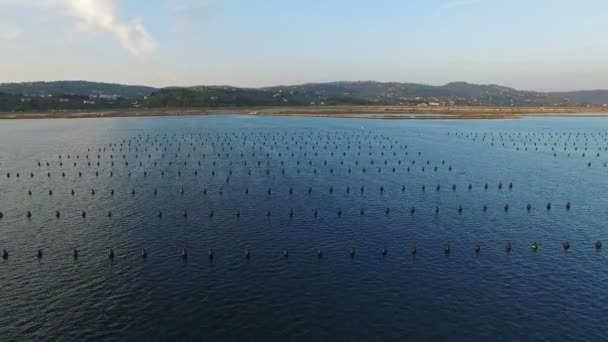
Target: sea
[246,228]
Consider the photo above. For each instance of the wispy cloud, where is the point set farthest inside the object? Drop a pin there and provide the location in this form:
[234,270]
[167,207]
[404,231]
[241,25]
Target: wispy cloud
[93,16]
[102,15]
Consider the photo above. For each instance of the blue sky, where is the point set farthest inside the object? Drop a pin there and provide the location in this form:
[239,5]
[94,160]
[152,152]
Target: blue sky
[531,44]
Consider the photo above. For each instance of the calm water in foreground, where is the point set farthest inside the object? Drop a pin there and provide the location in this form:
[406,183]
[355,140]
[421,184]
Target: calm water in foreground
[262,169]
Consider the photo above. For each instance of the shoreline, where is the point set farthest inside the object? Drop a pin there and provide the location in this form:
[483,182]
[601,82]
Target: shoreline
[346,112]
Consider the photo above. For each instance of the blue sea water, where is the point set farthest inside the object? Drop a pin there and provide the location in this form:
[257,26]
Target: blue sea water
[552,294]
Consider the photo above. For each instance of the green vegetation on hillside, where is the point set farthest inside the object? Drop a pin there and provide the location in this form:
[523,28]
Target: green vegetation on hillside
[80,95]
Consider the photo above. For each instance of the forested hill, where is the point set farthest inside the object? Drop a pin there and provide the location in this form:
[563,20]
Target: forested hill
[69,95]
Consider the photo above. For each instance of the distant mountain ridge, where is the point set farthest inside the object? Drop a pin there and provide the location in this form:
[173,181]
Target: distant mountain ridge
[74,88]
[63,95]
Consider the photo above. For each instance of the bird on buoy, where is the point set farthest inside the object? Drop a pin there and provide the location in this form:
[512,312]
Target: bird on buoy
[567,205]
[566,245]
[247,254]
[339,211]
[414,250]
[1,215]
[384,252]
[111,254]
[29,214]
[506,207]
[4,254]
[184,254]
[447,249]
[477,248]
[211,253]
[413,210]
[84,214]
[598,244]
[548,205]
[39,255]
[285,253]
[534,246]
[72,192]
[319,253]
[144,253]
[352,252]
[75,253]
[460,209]
[508,247]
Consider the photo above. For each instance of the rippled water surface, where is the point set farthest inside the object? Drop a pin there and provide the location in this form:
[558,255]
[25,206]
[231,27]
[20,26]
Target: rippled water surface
[253,173]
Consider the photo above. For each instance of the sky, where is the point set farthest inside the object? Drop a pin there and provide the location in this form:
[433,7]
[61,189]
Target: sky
[547,45]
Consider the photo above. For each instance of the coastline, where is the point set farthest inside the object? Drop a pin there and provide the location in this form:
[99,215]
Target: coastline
[347,112]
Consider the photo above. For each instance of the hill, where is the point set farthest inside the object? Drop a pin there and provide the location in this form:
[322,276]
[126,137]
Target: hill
[370,93]
[92,89]
[73,95]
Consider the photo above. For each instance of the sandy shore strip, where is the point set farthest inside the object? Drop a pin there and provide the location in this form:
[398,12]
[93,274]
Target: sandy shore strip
[349,112]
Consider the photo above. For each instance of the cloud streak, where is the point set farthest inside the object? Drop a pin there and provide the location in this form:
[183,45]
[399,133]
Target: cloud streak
[102,15]
[98,16]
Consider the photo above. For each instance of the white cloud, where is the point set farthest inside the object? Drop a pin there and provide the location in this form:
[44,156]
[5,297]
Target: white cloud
[102,15]
[98,16]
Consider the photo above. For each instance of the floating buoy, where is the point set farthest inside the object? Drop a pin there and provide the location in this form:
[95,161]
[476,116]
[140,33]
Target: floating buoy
[352,252]
[247,254]
[598,244]
[211,253]
[111,254]
[384,252]
[144,253]
[75,253]
[566,245]
[319,253]
[4,254]
[39,254]
[285,253]
[534,246]
[477,248]
[508,247]
[184,254]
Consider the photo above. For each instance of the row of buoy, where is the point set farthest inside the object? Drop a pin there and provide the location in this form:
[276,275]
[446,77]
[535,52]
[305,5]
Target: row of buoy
[331,189]
[447,248]
[387,211]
